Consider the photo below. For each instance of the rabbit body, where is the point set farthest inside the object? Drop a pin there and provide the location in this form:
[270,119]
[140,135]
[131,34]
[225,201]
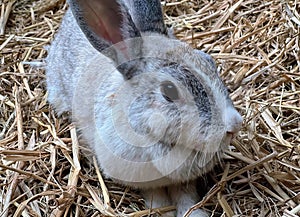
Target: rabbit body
[153,109]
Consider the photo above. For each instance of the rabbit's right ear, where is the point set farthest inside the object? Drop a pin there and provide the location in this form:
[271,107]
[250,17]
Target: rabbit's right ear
[106,22]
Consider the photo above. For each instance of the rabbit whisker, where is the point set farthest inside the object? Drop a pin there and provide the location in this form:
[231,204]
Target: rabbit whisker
[193,161]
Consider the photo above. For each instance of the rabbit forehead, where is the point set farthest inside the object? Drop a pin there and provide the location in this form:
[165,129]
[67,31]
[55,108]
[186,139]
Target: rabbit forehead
[175,51]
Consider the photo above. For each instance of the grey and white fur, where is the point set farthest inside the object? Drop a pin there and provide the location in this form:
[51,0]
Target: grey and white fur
[152,108]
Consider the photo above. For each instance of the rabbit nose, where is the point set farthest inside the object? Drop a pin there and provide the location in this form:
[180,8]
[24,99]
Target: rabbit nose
[233,121]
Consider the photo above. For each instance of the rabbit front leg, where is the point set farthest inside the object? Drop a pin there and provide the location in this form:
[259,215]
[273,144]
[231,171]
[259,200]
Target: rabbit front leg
[184,196]
[158,197]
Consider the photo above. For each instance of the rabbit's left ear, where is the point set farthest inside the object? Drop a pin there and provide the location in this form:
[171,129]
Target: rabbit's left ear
[106,22]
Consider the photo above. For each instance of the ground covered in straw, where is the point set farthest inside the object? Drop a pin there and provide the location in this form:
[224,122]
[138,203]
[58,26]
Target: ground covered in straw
[257,46]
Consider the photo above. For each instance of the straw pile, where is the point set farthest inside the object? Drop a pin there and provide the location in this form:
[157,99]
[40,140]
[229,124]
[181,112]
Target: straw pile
[257,46]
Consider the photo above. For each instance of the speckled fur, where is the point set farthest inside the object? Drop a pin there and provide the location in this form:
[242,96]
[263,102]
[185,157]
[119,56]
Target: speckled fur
[123,116]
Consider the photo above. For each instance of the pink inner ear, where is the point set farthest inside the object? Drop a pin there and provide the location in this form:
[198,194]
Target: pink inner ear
[104,18]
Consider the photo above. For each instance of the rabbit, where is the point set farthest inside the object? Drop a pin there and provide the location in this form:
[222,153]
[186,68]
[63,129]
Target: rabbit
[153,109]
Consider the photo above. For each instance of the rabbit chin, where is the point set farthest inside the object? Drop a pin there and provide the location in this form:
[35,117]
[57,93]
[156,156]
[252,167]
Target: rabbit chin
[197,164]
[194,167]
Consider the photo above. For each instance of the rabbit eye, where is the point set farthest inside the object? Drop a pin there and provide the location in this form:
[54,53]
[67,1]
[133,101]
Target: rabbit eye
[169,91]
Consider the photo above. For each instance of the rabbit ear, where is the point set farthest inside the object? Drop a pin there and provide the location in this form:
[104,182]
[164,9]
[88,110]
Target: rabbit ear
[106,22]
[147,15]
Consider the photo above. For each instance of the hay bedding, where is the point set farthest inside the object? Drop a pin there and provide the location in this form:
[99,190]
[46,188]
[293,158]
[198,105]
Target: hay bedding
[256,43]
